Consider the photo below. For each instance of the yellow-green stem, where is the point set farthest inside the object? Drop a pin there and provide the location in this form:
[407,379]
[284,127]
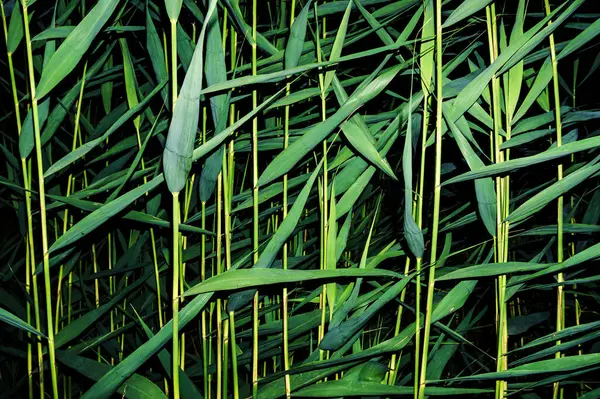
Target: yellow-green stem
[436,196]
[42,198]
[502,196]
[560,295]
[255,226]
[29,255]
[175,297]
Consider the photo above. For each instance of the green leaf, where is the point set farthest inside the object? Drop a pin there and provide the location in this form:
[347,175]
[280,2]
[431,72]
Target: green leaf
[559,335]
[331,257]
[340,334]
[464,10]
[484,188]
[261,41]
[177,156]
[537,202]
[26,138]
[273,77]
[491,270]
[173,8]
[218,139]
[110,382]
[188,389]
[286,160]
[514,164]
[454,300]
[81,324]
[216,72]
[343,388]
[102,214]
[60,111]
[412,232]
[559,365]
[74,47]
[586,255]
[246,278]
[135,216]
[542,79]
[134,387]
[15,321]
[338,45]
[571,228]
[580,40]
[357,133]
[507,58]
[521,324]
[130,80]
[157,56]
[348,305]
[295,45]
[515,74]
[15,29]
[90,145]
[283,233]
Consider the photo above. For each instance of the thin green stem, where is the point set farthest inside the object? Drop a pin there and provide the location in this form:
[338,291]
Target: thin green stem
[203,327]
[284,294]
[234,365]
[560,295]
[255,220]
[29,250]
[502,196]
[42,198]
[175,297]
[220,350]
[436,196]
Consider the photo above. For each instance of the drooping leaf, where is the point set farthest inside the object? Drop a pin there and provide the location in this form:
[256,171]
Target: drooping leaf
[412,232]
[484,188]
[179,148]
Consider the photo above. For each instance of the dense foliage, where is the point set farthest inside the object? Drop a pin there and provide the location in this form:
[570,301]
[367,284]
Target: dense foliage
[299,198]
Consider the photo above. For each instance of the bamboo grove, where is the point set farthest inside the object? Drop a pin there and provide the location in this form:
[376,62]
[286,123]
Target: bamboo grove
[299,198]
